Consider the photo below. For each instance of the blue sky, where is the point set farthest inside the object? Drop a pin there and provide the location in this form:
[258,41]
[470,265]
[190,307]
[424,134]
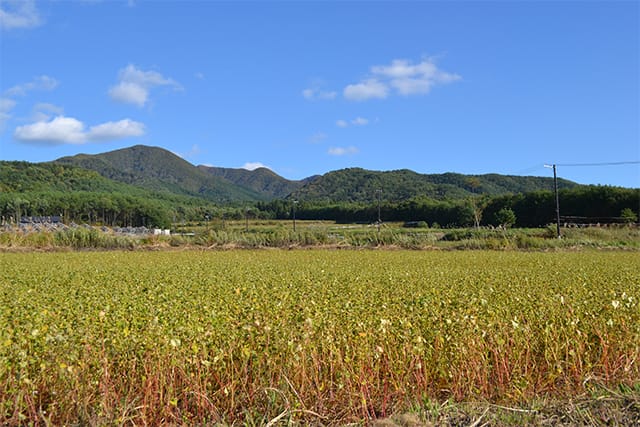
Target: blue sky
[308,87]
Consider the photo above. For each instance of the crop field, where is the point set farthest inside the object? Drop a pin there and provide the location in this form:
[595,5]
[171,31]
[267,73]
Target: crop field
[309,336]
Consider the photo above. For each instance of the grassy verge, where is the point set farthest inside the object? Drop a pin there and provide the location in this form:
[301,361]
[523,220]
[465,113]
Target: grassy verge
[274,234]
[602,406]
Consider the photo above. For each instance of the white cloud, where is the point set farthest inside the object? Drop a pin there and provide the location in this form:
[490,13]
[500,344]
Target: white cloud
[144,78]
[342,123]
[134,85]
[129,93]
[254,165]
[38,83]
[69,130]
[115,130]
[367,89]
[18,14]
[316,93]
[60,130]
[410,79]
[403,76]
[342,151]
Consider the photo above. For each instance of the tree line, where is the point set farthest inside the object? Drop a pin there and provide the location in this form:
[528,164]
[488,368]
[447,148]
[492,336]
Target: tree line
[535,209]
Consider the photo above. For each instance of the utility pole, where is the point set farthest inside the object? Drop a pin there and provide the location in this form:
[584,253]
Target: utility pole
[246,220]
[295,202]
[555,190]
[379,194]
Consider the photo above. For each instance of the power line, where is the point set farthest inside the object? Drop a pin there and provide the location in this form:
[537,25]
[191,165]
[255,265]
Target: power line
[538,166]
[632,162]
[555,180]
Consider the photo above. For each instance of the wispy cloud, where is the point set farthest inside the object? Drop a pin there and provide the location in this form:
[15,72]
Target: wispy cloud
[43,112]
[18,14]
[6,105]
[193,152]
[38,83]
[69,130]
[358,121]
[254,165]
[135,84]
[342,151]
[314,94]
[7,101]
[401,76]
[318,137]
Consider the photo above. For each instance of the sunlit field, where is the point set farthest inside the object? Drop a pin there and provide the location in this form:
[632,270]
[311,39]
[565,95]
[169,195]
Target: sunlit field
[309,336]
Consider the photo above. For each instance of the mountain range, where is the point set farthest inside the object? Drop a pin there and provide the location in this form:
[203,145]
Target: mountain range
[159,171]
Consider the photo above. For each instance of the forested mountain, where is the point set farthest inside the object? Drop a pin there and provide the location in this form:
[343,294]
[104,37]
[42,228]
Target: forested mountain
[81,195]
[157,169]
[160,170]
[29,177]
[261,180]
[151,186]
[360,185]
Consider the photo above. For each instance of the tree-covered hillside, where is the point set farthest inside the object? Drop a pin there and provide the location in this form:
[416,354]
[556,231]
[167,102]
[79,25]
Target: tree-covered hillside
[80,195]
[158,169]
[360,185]
[262,180]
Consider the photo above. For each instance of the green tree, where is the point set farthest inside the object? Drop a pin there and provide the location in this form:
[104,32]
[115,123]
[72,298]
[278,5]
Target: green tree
[505,217]
[628,216]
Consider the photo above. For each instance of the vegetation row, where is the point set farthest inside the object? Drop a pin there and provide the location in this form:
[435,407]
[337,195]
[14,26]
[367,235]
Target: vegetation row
[594,204]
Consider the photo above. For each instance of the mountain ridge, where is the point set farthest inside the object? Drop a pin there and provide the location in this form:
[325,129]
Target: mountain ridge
[158,169]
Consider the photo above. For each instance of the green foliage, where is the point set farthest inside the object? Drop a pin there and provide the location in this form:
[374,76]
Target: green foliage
[628,215]
[505,218]
[360,185]
[262,180]
[592,203]
[416,224]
